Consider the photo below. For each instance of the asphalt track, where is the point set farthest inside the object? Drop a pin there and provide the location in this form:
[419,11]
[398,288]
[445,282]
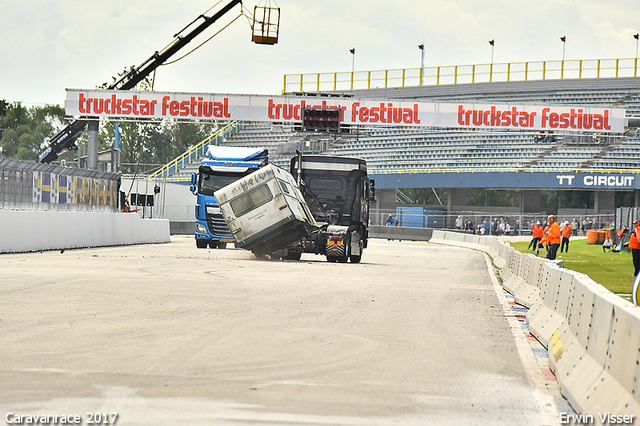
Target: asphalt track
[166,334]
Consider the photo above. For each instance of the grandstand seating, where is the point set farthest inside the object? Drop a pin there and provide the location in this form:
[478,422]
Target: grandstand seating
[414,148]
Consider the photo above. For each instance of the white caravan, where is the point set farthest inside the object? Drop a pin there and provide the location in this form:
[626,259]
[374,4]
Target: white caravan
[266,212]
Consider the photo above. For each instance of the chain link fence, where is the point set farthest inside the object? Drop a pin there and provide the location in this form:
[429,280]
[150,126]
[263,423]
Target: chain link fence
[28,185]
[500,222]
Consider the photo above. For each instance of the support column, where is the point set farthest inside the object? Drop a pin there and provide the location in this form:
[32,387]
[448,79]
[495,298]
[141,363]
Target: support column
[92,144]
[385,204]
[604,201]
[530,201]
[458,196]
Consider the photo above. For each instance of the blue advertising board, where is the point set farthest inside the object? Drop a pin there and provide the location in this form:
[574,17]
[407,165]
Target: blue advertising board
[528,179]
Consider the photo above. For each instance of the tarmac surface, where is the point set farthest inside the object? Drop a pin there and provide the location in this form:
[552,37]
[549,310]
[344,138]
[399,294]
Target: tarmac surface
[166,334]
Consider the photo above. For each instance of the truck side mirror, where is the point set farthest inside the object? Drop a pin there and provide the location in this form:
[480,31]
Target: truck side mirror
[372,190]
[194,180]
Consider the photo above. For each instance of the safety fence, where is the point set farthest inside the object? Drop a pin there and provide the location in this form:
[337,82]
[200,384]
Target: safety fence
[592,335]
[490,221]
[27,185]
[459,74]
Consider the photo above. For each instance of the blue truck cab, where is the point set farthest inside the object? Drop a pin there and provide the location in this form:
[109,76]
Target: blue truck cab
[222,166]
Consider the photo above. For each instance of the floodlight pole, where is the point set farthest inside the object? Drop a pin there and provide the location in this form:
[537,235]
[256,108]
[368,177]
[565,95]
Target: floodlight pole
[421,47]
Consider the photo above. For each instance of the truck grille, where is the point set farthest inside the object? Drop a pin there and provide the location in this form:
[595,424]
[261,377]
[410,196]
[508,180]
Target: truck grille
[218,226]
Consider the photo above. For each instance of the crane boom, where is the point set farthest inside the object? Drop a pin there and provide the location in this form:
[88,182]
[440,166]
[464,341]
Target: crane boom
[64,140]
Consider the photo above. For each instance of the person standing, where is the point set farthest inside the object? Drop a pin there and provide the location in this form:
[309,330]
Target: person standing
[634,245]
[554,238]
[537,235]
[567,231]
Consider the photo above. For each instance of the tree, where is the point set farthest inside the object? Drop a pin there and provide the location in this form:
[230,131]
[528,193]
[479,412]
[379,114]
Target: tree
[24,132]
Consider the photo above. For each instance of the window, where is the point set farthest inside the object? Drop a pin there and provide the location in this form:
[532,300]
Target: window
[251,200]
[326,184]
[284,186]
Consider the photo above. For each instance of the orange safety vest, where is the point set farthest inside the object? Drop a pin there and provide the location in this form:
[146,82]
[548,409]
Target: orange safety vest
[554,233]
[634,244]
[566,231]
[538,232]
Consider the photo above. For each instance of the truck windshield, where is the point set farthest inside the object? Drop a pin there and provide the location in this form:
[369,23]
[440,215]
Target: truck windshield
[211,182]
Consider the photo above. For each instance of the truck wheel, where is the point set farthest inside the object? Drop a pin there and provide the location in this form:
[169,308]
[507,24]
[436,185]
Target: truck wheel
[213,245]
[332,259]
[355,258]
[222,246]
[201,244]
[343,259]
[293,255]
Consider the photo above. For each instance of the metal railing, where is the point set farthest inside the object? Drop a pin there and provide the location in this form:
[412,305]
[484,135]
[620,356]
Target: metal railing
[196,151]
[458,74]
[437,217]
[26,185]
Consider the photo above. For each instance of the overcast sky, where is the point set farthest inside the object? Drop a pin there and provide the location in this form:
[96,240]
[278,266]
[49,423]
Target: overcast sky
[51,45]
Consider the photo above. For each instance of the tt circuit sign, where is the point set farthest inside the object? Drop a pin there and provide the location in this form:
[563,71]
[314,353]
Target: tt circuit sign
[596,181]
[353,111]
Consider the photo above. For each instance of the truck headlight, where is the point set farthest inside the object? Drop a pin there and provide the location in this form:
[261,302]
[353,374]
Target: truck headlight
[201,228]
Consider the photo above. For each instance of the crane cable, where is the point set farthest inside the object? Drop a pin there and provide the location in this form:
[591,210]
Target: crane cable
[202,44]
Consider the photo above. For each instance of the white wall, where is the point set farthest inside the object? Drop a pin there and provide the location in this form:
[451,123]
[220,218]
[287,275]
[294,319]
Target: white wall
[23,231]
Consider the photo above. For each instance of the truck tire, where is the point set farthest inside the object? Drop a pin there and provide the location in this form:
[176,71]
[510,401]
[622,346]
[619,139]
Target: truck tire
[355,258]
[222,245]
[293,255]
[201,244]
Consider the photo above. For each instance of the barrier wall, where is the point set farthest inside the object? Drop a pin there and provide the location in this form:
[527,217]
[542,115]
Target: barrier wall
[591,334]
[23,231]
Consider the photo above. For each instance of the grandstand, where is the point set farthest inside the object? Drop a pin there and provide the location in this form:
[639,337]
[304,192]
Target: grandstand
[419,148]
[458,159]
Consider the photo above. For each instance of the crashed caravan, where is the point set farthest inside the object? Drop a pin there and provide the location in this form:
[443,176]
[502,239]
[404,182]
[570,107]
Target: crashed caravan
[266,211]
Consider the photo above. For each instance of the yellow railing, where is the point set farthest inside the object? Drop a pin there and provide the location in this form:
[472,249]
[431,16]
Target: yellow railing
[195,152]
[458,74]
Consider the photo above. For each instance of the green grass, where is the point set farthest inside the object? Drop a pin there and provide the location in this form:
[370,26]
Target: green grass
[612,270]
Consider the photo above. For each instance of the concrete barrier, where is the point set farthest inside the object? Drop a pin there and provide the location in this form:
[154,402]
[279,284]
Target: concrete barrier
[400,233]
[592,336]
[24,231]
